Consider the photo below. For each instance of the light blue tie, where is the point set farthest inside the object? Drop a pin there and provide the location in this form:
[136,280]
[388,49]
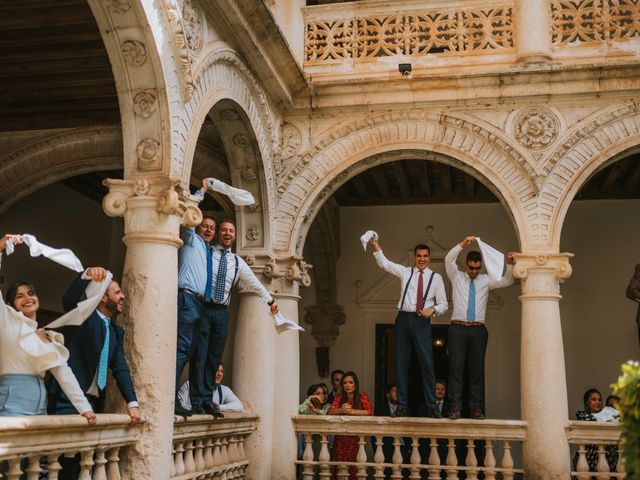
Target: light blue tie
[208,287]
[104,359]
[471,306]
[222,277]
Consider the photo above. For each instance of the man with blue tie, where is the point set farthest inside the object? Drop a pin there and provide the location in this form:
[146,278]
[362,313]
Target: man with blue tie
[467,338]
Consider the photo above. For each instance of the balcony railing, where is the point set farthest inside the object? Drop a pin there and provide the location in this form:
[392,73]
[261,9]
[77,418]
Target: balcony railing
[599,442]
[421,446]
[33,445]
[205,448]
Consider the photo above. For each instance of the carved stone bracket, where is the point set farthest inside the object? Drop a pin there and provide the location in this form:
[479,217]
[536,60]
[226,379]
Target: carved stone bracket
[142,201]
[326,319]
[541,274]
[283,273]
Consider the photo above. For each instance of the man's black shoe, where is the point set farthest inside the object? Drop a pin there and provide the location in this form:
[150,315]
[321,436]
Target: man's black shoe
[198,410]
[213,409]
[181,411]
[402,412]
[434,414]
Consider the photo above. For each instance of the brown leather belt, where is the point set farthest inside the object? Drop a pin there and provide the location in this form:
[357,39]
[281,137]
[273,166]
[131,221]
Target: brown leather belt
[466,324]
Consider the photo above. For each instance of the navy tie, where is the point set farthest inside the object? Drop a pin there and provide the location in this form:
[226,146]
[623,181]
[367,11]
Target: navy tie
[222,277]
[208,287]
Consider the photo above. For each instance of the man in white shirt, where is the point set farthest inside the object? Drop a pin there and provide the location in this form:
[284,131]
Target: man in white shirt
[467,338]
[223,397]
[422,296]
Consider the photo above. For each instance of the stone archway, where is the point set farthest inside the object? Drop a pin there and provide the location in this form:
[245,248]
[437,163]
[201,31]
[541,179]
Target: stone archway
[349,149]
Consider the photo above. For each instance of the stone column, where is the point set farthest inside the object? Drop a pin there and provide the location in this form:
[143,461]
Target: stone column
[542,370]
[153,210]
[267,367]
[532,27]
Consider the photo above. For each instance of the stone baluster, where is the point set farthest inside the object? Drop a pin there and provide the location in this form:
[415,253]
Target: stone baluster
[208,453]
[507,462]
[532,26]
[343,472]
[471,461]
[602,466]
[620,466]
[234,455]
[113,464]
[179,459]
[378,458]
[489,461]
[241,451]
[434,460]
[361,458]
[415,459]
[153,208]
[224,450]
[100,471]
[189,463]
[14,471]
[307,456]
[198,457]
[86,462]
[582,466]
[542,368]
[33,467]
[217,455]
[452,460]
[54,467]
[324,457]
[396,459]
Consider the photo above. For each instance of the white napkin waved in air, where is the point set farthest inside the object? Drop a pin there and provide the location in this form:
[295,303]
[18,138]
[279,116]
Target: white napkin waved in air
[63,256]
[238,196]
[283,323]
[364,239]
[493,260]
[607,414]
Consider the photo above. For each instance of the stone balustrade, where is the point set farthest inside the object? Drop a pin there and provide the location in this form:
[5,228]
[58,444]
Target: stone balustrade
[601,439]
[208,448]
[34,445]
[435,448]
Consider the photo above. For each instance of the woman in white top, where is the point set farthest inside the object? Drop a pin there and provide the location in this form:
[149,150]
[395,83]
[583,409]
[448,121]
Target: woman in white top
[26,353]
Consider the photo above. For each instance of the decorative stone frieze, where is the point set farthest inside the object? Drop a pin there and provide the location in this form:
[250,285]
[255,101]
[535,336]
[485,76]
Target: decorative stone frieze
[291,140]
[181,47]
[193,28]
[134,53]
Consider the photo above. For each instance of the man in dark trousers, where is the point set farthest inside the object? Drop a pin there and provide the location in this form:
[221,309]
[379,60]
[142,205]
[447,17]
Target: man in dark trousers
[633,293]
[94,347]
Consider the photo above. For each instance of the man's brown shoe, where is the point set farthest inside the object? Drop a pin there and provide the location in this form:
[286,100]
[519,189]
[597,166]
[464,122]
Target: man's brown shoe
[476,413]
[454,414]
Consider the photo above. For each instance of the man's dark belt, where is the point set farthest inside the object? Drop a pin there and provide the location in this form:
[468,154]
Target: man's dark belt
[201,299]
[466,324]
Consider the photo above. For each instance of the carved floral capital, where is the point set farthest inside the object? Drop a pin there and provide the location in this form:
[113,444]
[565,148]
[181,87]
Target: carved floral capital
[542,273]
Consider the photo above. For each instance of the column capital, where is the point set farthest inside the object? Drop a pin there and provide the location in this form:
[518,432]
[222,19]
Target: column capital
[325,318]
[148,205]
[541,273]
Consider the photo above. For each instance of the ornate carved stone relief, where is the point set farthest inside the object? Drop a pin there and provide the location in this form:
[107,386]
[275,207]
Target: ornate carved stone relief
[241,140]
[149,154]
[536,128]
[249,174]
[193,29]
[291,140]
[253,233]
[182,50]
[119,7]
[134,52]
[144,103]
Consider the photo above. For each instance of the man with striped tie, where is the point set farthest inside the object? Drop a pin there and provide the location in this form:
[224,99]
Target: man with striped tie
[467,338]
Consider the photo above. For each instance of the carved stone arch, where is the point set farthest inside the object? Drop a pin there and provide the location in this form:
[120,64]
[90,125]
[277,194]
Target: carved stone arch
[55,157]
[142,81]
[609,137]
[335,158]
[227,92]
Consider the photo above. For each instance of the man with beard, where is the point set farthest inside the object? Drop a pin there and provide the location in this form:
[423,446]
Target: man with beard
[210,334]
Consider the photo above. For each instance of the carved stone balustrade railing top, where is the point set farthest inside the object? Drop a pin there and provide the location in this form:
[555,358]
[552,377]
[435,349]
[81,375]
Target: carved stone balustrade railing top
[35,444]
[419,445]
[596,438]
[204,447]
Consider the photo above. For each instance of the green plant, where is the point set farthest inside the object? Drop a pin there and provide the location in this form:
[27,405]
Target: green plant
[628,388]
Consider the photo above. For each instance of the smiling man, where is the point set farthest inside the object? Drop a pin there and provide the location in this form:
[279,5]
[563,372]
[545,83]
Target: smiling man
[422,297]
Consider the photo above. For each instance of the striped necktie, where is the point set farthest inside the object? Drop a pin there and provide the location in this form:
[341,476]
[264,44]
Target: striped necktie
[104,358]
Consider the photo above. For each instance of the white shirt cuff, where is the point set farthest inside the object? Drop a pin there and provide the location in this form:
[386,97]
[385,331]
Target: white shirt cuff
[133,404]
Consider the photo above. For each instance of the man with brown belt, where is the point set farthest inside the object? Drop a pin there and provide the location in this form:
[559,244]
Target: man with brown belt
[467,338]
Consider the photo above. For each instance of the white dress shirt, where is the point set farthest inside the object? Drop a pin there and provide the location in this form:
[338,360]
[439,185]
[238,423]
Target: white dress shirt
[460,285]
[245,276]
[436,298]
[222,396]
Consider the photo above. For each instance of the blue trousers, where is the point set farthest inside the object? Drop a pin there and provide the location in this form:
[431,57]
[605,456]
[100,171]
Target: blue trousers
[414,332]
[22,394]
[190,310]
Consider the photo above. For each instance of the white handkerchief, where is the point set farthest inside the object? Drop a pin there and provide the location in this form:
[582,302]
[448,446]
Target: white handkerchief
[238,196]
[364,239]
[283,323]
[63,256]
[607,414]
[493,260]
[95,291]
[9,248]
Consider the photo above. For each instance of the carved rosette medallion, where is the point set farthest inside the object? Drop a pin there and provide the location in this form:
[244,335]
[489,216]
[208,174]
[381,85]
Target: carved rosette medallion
[192,24]
[253,233]
[291,140]
[536,128]
[119,7]
[144,103]
[148,152]
[134,53]
[241,140]
[249,175]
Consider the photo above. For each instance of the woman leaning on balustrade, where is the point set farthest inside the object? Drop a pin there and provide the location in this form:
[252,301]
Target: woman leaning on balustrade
[27,353]
[350,402]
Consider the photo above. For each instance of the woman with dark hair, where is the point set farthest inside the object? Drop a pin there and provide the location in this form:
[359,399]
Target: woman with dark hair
[27,353]
[314,404]
[592,400]
[350,402]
